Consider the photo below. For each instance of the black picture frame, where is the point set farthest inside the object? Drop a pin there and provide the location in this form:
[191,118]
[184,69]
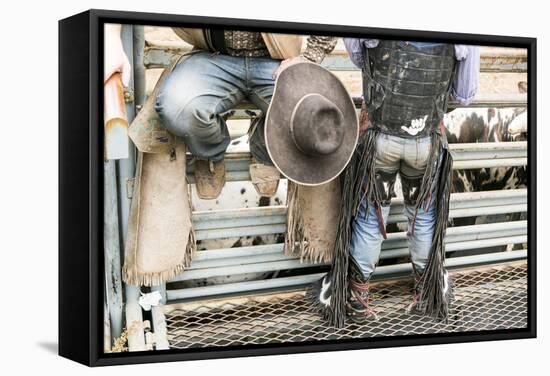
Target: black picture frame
[80,211]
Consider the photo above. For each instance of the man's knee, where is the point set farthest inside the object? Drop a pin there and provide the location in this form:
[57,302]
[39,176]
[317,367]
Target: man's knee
[184,115]
[198,109]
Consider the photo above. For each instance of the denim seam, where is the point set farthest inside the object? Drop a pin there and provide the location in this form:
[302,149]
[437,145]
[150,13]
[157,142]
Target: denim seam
[254,92]
[215,107]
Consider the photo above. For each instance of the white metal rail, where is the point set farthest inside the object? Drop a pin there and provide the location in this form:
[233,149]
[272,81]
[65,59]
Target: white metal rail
[466,156]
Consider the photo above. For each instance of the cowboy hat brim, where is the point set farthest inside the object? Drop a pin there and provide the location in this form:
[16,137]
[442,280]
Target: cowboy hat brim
[292,84]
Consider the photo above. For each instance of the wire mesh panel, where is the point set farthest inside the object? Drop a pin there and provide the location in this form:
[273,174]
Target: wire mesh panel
[484,299]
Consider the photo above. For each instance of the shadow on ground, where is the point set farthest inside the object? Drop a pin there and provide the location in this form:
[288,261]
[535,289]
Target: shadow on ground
[50,347]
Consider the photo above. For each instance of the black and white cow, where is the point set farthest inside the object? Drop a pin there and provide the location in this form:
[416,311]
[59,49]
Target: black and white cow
[469,125]
[488,125]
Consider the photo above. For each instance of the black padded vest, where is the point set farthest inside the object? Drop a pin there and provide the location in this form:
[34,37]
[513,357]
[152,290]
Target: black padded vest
[406,87]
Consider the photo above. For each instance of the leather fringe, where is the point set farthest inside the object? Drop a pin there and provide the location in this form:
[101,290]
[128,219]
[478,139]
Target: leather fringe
[361,164]
[298,240]
[434,300]
[295,227]
[431,173]
[133,277]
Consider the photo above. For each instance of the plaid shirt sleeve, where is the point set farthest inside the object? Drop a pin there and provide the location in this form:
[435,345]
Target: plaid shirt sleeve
[318,47]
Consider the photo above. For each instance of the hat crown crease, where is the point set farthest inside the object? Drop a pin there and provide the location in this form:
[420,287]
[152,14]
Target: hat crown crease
[317,125]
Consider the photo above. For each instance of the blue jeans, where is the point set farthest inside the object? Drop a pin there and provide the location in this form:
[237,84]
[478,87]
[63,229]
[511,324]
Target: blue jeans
[202,87]
[408,157]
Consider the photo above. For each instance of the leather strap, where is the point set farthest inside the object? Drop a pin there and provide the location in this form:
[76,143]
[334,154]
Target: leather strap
[218,40]
[357,288]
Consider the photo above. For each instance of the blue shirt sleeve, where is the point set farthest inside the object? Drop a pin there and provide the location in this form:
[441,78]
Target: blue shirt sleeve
[354,46]
[466,81]
[355,52]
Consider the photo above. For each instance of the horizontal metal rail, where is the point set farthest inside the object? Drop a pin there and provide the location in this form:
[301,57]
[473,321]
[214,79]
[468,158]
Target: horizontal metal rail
[481,100]
[489,163]
[277,253]
[276,262]
[458,201]
[266,258]
[466,156]
[239,287]
[491,60]
[381,272]
[245,222]
[395,240]
[224,218]
[489,150]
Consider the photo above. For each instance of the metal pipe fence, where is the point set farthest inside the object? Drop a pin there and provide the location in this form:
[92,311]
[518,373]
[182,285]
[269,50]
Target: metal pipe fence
[501,60]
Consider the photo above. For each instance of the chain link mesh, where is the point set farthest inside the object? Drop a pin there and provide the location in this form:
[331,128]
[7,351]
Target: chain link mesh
[484,299]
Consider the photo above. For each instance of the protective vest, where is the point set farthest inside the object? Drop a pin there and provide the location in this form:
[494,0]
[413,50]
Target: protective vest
[406,87]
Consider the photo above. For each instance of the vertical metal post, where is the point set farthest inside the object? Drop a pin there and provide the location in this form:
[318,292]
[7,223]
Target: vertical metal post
[111,241]
[162,291]
[139,66]
[126,171]
[126,167]
[106,328]
[159,321]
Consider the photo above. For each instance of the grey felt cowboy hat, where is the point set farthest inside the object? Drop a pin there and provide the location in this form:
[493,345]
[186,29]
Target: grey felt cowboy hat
[311,126]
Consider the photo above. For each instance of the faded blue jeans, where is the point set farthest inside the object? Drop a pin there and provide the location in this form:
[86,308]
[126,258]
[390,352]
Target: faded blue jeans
[202,87]
[408,157]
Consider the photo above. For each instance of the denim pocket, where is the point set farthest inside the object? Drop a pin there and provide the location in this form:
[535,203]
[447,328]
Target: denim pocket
[423,149]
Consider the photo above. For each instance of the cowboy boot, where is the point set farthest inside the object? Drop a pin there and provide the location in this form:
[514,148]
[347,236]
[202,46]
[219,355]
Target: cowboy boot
[357,305]
[265,179]
[416,306]
[209,178]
